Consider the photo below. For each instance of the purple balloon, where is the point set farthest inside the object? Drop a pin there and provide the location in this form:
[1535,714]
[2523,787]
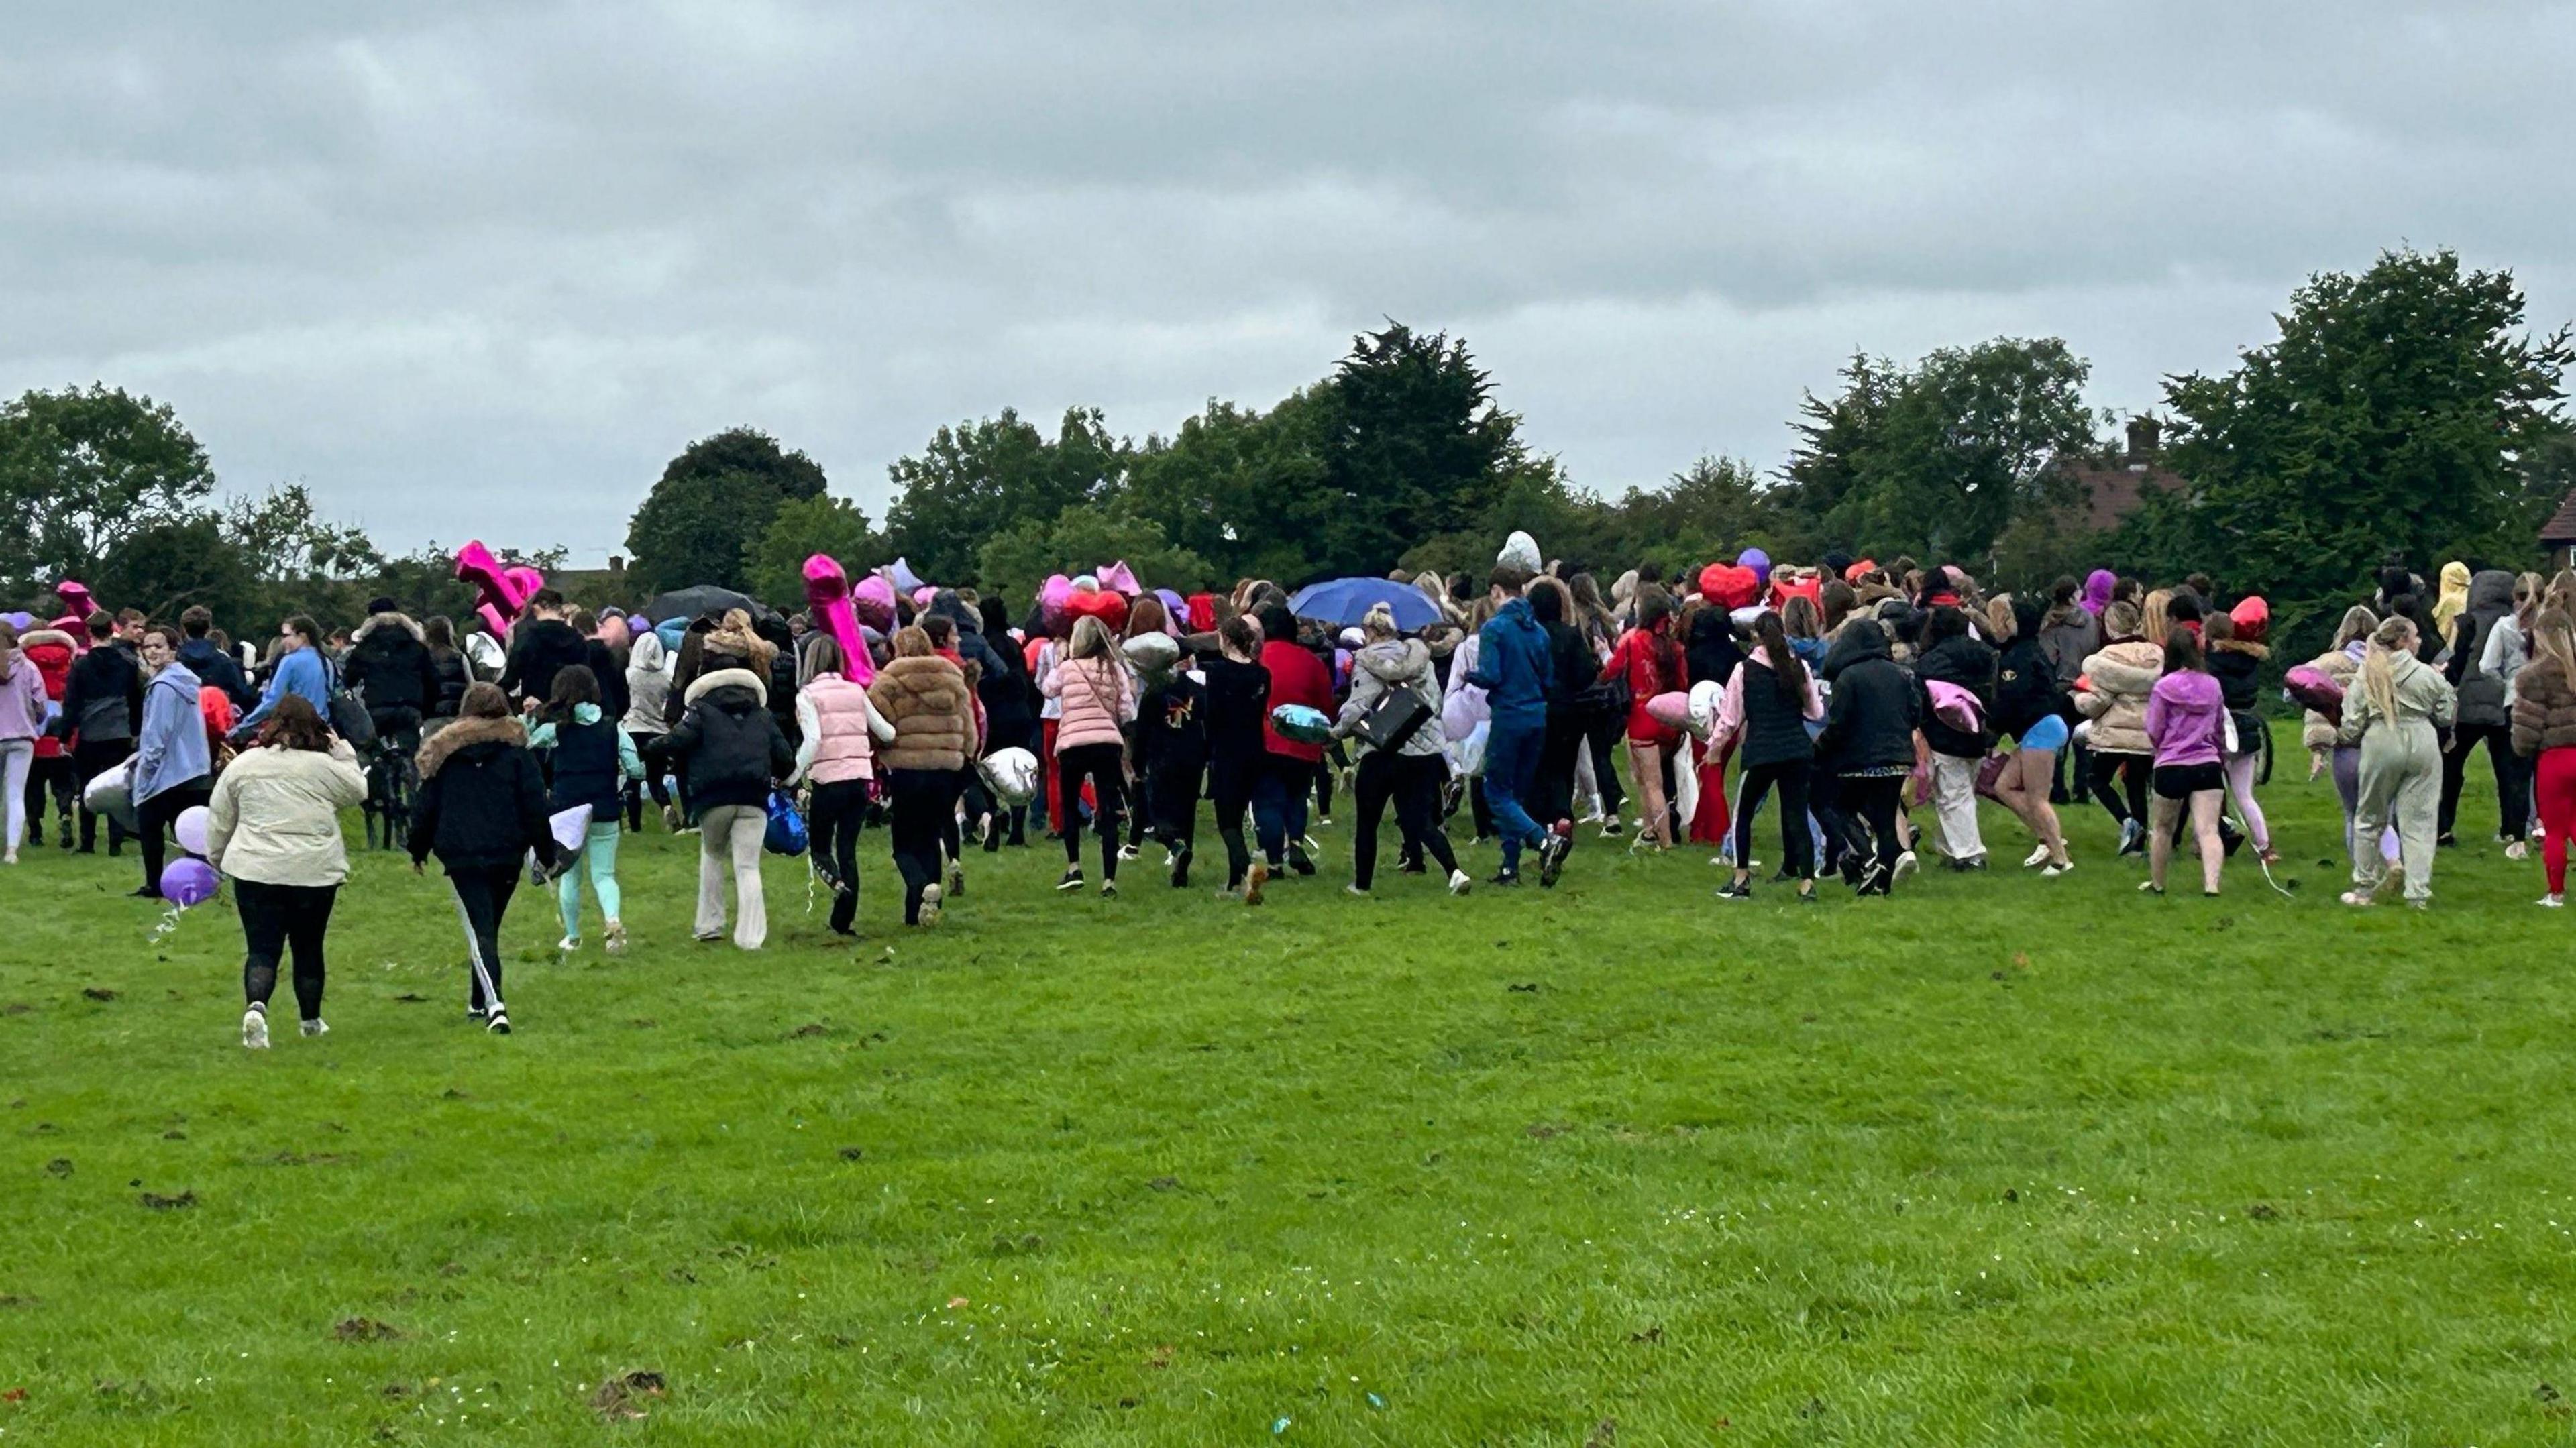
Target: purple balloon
[188,882]
[1178,607]
[1759,562]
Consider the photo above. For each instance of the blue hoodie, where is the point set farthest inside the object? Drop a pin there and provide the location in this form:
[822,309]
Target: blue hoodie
[173,749]
[1513,668]
[300,672]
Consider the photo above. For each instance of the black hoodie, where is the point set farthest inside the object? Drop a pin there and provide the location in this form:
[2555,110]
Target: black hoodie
[389,666]
[1969,662]
[482,803]
[1875,708]
[732,745]
[1010,697]
[1712,651]
[541,649]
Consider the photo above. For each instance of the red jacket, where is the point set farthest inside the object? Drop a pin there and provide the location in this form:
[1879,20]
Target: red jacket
[1296,677]
[51,651]
[1651,666]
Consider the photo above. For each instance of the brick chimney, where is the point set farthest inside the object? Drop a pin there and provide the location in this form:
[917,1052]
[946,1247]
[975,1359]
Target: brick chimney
[2145,436]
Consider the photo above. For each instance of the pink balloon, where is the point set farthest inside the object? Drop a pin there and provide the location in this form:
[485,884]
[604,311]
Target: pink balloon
[874,601]
[504,591]
[1120,577]
[1670,710]
[827,593]
[1054,600]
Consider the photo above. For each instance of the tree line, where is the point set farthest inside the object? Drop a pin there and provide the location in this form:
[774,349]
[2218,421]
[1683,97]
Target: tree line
[2405,409]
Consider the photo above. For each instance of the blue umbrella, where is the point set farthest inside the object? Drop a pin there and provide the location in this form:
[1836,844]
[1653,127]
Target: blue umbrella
[1343,602]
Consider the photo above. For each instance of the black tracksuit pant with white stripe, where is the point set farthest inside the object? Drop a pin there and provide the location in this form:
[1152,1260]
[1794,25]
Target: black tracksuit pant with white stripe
[482,898]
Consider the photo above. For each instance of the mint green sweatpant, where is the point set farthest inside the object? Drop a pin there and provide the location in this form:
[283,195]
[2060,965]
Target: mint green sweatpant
[599,853]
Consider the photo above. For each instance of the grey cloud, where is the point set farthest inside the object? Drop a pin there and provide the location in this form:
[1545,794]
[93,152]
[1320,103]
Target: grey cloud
[481,267]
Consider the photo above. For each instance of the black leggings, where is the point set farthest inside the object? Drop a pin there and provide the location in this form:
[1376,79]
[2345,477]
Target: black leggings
[1105,766]
[161,811]
[840,807]
[1603,734]
[1230,791]
[2512,777]
[2098,781]
[1413,782]
[920,803]
[482,899]
[275,919]
[1868,805]
[1175,801]
[1789,776]
[634,790]
[89,761]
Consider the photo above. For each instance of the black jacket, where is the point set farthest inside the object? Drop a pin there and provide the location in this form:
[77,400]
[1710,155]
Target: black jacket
[2481,694]
[2025,686]
[1171,733]
[1573,668]
[1775,726]
[103,698]
[482,803]
[1712,652]
[1238,704]
[390,667]
[730,743]
[213,666]
[613,693]
[2235,664]
[454,675]
[1875,708]
[1969,663]
[542,648]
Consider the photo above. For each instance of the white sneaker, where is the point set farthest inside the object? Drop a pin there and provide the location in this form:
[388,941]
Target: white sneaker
[1307,844]
[2051,872]
[2038,857]
[568,944]
[255,1029]
[2552,902]
[2517,850]
[314,1027]
[1460,882]
[1906,864]
[929,905]
[1128,852]
[1354,889]
[614,938]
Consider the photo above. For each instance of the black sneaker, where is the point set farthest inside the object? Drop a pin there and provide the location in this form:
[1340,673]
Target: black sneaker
[1551,855]
[1181,867]
[1735,890]
[1870,879]
[499,1024]
[1072,881]
[1505,879]
[1299,864]
[1966,866]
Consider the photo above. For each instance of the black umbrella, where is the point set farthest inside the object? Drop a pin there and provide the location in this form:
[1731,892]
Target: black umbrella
[690,604]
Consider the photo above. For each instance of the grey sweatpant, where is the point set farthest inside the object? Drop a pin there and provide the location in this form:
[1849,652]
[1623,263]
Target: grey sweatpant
[729,838]
[2401,785]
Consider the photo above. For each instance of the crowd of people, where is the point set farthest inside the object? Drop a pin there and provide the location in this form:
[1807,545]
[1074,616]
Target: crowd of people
[1867,707]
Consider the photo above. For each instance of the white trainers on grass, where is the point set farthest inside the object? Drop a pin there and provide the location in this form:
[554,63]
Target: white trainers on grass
[255,1029]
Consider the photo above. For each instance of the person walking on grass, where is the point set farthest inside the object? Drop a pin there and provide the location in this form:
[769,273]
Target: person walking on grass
[2395,714]
[2484,715]
[1953,655]
[732,750]
[1098,695]
[1767,706]
[1650,663]
[2508,649]
[22,721]
[836,762]
[102,708]
[648,698]
[174,763]
[482,809]
[1279,796]
[1238,711]
[2187,723]
[1513,668]
[2544,734]
[1408,769]
[273,826]
[932,707]
[2112,692]
[2030,710]
[300,670]
[1868,744]
[2236,652]
[594,760]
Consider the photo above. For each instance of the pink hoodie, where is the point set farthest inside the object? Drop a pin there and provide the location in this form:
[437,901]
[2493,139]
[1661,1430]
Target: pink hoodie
[1098,696]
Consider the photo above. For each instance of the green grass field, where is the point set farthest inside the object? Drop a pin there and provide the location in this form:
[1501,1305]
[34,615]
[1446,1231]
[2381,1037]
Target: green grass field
[2002,1160]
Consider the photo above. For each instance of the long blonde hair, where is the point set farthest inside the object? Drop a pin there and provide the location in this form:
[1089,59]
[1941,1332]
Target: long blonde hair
[2379,666]
[2156,619]
[2358,623]
[1091,639]
[2553,637]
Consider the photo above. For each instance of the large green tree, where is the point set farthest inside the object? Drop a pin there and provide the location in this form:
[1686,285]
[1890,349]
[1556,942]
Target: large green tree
[1938,459]
[802,528]
[1241,489]
[2403,409]
[1080,539]
[713,502]
[81,471]
[1413,447]
[978,480]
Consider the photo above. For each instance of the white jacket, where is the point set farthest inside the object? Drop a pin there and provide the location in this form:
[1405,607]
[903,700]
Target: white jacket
[275,817]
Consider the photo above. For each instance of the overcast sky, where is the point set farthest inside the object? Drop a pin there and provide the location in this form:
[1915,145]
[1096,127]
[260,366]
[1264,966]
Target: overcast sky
[480,268]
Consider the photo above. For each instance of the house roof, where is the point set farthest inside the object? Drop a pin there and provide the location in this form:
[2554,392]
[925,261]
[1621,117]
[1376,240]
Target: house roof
[2111,494]
[2561,527]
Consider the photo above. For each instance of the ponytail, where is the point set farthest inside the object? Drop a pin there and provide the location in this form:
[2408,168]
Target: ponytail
[1786,672]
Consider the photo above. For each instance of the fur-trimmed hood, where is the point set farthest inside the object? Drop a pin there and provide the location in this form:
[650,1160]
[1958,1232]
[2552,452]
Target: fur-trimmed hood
[37,636]
[464,734]
[2242,646]
[708,683]
[401,621]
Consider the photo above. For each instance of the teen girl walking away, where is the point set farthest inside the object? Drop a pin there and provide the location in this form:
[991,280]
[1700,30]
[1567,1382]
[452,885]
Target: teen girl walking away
[648,701]
[1238,709]
[1868,743]
[731,747]
[1952,655]
[2544,732]
[1769,703]
[1098,695]
[1010,699]
[2069,633]
[22,720]
[2508,649]
[1591,617]
[1288,766]
[1409,769]
[2029,708]
[50,653]
[594,760]
[2394,712]
[2117,680]
[835,762]
[1172,757]
[102,705]
[2321,736]
[2187,724]
[482,808]
[1650,663]
[174,762]
[454,673]
[274,827]
[932,708]
[2484,716]
[1712,655]
[2236,654]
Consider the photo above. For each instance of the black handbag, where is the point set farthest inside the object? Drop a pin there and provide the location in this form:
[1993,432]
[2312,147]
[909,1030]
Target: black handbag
[1606,698]
[1393,718]
[348,715]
